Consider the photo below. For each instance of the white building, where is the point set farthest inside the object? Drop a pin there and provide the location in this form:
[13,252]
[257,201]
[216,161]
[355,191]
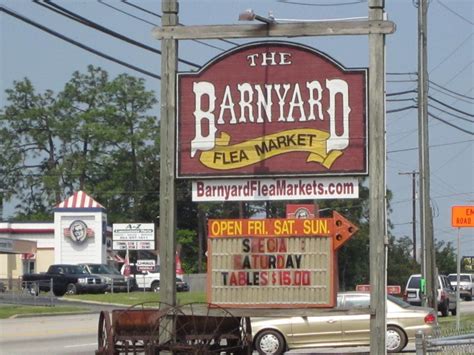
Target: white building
[77,235]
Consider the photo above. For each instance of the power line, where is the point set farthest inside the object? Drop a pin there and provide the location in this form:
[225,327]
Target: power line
[451,124]
[291,2]
[451,114]
[455,13]
[401,93]
[452,53]
[431,146]
[159,16]
[402,109]
[78,44]
[73,16]
[451,91]
[155,24]
[450,107]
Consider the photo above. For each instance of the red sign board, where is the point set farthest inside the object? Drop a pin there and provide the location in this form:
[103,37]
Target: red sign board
[272,108]
[391,290]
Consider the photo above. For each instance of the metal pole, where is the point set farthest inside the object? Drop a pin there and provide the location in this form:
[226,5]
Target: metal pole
[458,308]
[377,235]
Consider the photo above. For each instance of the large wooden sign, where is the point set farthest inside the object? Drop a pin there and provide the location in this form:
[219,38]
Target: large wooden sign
[275,263]
[272,108]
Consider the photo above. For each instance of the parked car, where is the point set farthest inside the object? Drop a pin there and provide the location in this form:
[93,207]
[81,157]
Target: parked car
[66,279]
[446,294]
[149,280]
[3,288]
[466,285]
[112,277]
[276,335]
[181,285]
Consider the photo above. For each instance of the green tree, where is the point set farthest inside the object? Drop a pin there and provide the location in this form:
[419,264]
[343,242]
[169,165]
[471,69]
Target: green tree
[95,135]
[445,257]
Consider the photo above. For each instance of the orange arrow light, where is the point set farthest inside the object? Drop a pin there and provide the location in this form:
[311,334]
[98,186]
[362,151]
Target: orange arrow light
[343,230]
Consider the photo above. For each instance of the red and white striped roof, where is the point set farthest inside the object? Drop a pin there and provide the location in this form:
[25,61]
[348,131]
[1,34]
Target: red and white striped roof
[80,200]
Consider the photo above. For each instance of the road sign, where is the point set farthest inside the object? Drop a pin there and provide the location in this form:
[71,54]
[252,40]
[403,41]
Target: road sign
[146,265]
[277,263]
[462,216]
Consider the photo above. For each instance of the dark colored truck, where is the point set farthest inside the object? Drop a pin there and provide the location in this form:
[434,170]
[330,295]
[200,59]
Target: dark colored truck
[65,279]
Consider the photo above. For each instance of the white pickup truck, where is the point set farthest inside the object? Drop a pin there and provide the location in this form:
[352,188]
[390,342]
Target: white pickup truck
[149,280]
[466,285]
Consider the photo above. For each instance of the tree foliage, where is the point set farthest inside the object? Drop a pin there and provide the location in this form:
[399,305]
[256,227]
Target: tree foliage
[95,135]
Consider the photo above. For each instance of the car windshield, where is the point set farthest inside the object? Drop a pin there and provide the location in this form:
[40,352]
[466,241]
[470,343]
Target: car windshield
[102,269]
[461,278]
[73,269]
[414,282]
[398,301]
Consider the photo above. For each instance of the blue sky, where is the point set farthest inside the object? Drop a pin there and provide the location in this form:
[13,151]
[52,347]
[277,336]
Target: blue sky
[49,62]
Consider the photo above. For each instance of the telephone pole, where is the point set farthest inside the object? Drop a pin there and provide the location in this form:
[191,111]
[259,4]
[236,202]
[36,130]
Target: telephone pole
[413,200]
[428,266]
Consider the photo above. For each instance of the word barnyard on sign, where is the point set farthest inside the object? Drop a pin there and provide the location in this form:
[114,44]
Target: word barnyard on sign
[272,108]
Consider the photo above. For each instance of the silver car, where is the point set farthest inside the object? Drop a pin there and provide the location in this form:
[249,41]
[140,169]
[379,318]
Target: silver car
[276,335]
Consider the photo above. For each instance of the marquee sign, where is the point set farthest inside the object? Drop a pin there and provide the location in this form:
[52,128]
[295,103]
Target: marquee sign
[272,108]
[276,263]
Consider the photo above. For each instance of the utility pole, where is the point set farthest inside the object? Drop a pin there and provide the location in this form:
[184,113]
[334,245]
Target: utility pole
[428,266]
[169,49]
[377,194]
[413,200]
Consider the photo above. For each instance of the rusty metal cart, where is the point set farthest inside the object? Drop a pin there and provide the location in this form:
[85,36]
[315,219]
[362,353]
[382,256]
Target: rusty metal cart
[195,328]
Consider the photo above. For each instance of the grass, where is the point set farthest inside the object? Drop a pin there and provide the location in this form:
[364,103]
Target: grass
[138,297]
[448,324]
[11,310]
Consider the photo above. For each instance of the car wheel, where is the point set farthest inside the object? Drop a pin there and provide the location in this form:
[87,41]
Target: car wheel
[445,309]
[454,311]
[270,342]
[396,339]
[71,289]
[155,286]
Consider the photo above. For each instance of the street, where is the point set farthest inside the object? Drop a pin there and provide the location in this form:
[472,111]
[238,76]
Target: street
[77,334]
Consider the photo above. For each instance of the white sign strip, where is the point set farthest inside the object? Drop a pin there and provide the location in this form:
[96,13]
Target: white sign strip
[306,188]
[133,245]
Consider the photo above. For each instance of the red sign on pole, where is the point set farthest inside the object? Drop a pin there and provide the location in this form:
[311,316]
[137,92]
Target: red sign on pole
[272,108]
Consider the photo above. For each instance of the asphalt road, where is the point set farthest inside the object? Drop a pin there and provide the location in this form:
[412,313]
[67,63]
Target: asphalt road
[77,334]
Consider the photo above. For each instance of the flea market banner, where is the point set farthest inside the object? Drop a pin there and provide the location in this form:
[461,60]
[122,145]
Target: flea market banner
[272,108]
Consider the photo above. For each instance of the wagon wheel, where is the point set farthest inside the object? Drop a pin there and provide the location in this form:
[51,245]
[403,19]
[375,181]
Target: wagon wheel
[200,328]
[138,340]
[105,337]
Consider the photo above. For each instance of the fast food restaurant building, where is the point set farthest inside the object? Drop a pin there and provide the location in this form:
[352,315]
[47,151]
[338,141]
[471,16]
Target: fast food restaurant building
[78,235]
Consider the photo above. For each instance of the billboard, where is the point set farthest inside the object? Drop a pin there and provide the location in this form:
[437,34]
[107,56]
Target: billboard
[272,108]
[275,263]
